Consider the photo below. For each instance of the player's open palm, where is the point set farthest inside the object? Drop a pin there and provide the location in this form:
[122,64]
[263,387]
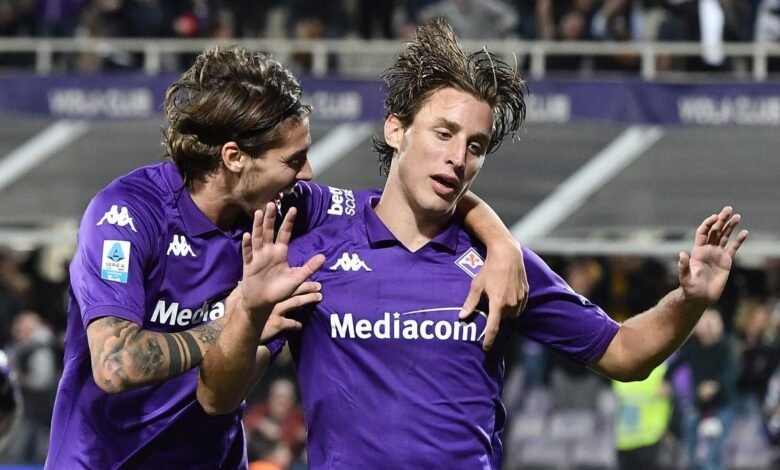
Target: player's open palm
[268,278]
[703,273]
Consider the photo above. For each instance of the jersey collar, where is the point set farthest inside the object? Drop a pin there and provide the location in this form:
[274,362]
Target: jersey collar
[379,235]
[195,221]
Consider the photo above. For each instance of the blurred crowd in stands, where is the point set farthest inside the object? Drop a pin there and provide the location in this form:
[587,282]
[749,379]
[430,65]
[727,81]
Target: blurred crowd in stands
[711,21]
[721,391]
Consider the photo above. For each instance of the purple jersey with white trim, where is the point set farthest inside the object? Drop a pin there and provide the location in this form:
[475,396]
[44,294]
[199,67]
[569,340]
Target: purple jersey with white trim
[390,378]
[148,255]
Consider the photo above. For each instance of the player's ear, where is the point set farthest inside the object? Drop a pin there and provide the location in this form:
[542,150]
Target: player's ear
[233,157]
[394,131]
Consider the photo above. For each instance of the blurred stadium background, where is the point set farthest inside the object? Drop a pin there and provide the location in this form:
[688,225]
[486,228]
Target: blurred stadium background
[645,116]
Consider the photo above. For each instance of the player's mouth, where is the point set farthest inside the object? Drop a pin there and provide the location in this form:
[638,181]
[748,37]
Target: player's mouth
[445,185]
[283,193]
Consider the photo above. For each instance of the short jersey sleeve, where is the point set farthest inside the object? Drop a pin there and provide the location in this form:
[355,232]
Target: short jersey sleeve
[116,242]
[560,318]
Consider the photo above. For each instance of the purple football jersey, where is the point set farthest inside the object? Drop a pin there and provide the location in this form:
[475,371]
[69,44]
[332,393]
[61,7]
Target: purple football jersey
[148,255]
[390,377]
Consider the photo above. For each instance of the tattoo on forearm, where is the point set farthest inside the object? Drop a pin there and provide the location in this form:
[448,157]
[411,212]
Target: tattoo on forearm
[149,359]
[209,332]
[195,354]
[129,357]
[174,356]
[111,351]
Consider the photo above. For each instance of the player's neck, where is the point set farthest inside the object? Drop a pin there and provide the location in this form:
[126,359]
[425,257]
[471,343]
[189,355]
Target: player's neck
[409,226]
[214,200]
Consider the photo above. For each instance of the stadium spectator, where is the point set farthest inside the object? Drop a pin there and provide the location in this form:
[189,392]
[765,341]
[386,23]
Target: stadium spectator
[13,288]
[278,420]
[712,22]
[10,402]
[711,356]
[768,21]
[389,374]
[643,413]
[567,21]
[36,357]
[759,352]
[475,19]
[375,18]
[159,251]
[58,18]
[771,412]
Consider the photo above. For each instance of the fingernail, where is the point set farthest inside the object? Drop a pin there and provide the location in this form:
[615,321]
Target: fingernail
[319,297]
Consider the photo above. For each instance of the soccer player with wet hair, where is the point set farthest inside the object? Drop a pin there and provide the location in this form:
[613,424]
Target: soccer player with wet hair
[161,248]
[390,374]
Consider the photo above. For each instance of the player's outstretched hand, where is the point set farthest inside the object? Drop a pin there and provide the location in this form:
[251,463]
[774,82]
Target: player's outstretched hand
[502,279]
[268,279]
[704,272]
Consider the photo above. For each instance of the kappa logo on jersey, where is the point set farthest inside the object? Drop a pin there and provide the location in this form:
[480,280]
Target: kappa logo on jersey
[180,247]
[118,216]
[116,261]
[342,201]
[409,325]
[349,262]
[470,261]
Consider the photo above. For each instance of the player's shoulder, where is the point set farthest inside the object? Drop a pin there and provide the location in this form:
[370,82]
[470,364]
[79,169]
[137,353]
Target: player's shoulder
[338,201]
[136,198]
[343,222]
[534,264]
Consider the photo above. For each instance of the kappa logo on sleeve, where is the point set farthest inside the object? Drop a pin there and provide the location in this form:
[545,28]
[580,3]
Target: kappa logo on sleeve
[118,216]
[470,262]
[116,261]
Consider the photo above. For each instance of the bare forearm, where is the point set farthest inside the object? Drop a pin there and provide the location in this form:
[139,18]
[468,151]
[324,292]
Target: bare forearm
[124,356]
[228,370]
[482,221]
[646,340]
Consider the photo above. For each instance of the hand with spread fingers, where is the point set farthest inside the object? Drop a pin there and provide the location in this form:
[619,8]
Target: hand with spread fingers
[704,272]
[270,285]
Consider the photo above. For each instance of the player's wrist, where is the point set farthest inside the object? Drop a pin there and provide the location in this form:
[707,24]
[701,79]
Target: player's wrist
[254,316]
[690,303]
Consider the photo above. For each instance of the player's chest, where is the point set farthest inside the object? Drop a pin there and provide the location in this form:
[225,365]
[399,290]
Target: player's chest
[190,279]
[390,299]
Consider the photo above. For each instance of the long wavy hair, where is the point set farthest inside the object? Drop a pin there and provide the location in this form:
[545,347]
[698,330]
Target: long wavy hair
[229,94]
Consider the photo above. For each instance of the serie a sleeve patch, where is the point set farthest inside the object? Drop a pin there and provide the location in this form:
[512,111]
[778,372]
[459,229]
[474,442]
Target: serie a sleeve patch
[115,263]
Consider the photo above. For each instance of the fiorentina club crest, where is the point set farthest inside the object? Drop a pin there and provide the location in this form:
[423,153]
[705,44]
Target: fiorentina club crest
[471,262]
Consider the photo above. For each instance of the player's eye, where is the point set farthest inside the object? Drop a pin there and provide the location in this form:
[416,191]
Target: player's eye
[443,135]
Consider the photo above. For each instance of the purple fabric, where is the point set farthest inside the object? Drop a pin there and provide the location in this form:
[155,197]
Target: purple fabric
[171,271]
[389,377]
